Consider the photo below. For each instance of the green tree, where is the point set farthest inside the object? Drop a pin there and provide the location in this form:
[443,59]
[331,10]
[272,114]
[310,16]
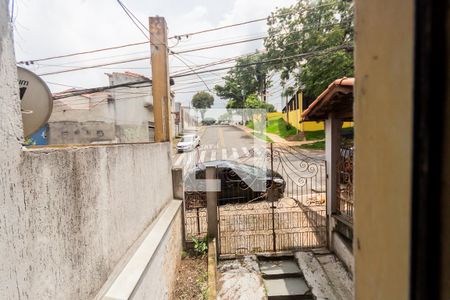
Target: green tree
[310,27]
[254,102]
[247,77]
[202,101]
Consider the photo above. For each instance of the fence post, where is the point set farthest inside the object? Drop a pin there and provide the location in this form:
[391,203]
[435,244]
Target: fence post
[332,148]
[178,193]
[211,202]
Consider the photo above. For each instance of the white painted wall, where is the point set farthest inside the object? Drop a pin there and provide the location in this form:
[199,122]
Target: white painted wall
[133,108]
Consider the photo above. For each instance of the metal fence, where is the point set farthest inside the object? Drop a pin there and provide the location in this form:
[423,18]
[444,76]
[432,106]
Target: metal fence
[195,223]
[259,227]
[344,193]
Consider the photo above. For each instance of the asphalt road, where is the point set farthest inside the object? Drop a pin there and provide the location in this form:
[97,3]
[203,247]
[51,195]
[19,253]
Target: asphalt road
[217,143]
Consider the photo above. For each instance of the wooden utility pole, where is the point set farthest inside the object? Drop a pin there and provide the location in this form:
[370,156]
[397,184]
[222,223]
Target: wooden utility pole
[160,78]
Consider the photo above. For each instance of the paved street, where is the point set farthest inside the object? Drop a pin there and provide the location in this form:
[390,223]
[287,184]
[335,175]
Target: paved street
[231,143]
[219,142]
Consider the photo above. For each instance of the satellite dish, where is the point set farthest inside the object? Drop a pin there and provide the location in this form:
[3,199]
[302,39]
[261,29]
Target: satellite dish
[36,101]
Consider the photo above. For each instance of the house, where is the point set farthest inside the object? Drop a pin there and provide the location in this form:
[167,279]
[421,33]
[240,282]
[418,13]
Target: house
[295,108]
[117,115]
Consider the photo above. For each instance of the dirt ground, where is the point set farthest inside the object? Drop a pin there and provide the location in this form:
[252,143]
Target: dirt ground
[192,279]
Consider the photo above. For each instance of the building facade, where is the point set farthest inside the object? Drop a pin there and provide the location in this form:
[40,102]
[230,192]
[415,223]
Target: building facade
[117,115]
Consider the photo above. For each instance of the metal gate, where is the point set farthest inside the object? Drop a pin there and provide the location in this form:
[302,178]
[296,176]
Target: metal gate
[286,219]
[296,219]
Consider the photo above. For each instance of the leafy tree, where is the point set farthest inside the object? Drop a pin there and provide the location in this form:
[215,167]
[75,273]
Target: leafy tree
[202,101]
[247,77]
[312,26]
[254,102]
[225,116]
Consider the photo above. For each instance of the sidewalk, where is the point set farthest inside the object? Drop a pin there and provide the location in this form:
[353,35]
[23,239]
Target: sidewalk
[276,138]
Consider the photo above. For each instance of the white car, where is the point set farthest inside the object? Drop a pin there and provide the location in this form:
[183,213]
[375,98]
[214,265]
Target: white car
[188,143]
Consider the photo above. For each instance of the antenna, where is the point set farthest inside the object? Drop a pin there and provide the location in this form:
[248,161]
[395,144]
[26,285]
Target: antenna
[36,101]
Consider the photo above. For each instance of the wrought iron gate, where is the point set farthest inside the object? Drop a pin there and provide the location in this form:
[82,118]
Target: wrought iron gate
[295,219]
[282,218]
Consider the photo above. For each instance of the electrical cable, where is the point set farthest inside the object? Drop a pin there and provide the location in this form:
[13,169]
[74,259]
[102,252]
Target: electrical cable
[28,62]
[131,15]
[341,47]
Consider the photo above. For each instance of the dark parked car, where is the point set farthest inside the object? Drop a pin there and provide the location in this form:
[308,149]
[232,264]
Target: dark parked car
[238,183]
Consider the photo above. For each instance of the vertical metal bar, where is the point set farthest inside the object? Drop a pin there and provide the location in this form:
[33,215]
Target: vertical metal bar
[273,205]
[198,222]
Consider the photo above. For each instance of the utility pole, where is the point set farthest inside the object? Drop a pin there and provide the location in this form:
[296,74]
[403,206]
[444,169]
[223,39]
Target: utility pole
[160,78]
[287,108]
[264,89]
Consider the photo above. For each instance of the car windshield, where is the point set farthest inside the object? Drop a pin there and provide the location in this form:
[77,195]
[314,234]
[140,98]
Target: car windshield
[255,171]
[187,139]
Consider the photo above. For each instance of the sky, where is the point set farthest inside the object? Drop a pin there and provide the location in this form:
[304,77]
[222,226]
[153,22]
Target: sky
[47,28]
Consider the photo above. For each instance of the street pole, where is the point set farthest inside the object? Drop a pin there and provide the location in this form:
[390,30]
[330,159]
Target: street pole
[287,109]
[160,78]
[296,108]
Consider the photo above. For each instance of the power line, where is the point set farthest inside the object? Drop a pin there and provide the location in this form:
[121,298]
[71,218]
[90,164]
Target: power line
[244,23]
[180,59]
[129,12]
[171,52]
[143,58]
[30,62]
[95,66]
[98,89]
[220,45]
[131,15]
[316,52]
[218,28]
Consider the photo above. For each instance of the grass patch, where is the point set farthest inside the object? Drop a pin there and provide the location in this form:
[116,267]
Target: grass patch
[262,136]
[278,126]
[315,135]
[315,146]
[250,125]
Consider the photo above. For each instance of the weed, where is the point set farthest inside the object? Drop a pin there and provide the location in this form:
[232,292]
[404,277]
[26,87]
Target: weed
[200,245]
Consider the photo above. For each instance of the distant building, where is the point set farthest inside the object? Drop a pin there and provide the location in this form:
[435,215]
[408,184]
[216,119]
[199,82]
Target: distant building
[295,108]
[117,115]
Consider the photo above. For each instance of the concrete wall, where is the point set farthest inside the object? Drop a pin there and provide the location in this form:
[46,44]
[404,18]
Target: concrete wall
[71,132]
[382,173]
[162,266]
[84,208]
[69,215]
[12,206]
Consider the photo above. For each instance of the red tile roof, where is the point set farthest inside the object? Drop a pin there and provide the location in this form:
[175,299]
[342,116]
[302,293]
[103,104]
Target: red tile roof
[339,94]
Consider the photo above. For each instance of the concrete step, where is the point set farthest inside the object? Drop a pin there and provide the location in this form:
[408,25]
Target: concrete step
[287,288]
[279,269]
